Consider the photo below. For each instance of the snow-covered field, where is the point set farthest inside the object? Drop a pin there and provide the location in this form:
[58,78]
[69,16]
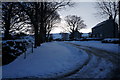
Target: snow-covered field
[58,59]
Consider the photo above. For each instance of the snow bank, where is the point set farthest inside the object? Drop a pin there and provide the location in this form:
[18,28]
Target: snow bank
[97,44]
[49,60]
[112,39]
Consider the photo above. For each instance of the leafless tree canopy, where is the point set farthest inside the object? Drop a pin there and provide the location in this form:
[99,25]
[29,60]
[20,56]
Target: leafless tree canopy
[12,18]
[41,17]
[51,22]
[109,8]
[74,23]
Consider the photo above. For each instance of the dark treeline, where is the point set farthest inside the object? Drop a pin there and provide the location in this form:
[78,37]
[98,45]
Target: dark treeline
[40,17]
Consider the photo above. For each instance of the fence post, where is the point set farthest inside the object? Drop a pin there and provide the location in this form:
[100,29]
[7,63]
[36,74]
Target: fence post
[32,47]
[25,55]
[25,51]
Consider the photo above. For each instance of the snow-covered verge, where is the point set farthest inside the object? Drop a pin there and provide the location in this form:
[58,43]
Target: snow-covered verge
[97,44]
[49,60]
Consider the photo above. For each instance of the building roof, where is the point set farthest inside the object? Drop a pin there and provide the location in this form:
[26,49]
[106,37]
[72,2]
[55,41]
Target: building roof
[104,22]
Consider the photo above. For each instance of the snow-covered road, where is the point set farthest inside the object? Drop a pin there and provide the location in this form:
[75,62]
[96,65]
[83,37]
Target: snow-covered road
[64,60]
[111,56]
[102,63]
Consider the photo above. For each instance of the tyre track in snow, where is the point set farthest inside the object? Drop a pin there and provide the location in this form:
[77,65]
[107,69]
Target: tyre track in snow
[113,57]
[98,53]
[81,66]
[74,71]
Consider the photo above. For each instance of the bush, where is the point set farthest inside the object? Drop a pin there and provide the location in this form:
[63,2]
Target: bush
[12,49]
[111,40]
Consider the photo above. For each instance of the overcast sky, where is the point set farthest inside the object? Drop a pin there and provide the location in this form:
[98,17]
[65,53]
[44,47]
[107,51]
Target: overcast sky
[86,10]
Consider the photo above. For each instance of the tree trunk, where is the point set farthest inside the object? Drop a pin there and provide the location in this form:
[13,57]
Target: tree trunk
[7,28]
[36,26]
[48,36]
[36,36]
[7,34]
[42,32]
[114,29]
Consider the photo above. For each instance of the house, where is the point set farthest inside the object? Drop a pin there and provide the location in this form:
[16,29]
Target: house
[65,36]
[105,29]
[56,36]
[76,35]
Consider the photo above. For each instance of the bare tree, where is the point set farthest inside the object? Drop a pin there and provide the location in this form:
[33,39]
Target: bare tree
[12,15]
[51,23]
[38,14]
[49,8]
[109,9]
[74,23]
[7,9]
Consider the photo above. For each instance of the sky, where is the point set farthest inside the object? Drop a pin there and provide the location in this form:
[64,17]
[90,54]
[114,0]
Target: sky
[86,10]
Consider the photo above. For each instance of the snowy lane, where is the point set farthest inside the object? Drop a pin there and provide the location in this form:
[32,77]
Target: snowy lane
[113,57]
[101,65]
[113,48]
[77,69]
[63,60]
